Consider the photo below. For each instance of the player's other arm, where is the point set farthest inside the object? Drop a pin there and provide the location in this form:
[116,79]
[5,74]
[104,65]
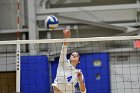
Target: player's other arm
[81,82]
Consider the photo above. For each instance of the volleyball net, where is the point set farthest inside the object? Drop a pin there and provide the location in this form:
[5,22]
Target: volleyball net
[109,64]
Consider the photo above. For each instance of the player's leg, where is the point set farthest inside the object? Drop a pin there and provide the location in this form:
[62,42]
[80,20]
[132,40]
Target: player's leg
[56,90]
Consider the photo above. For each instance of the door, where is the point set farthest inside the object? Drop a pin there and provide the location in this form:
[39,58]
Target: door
[7,82]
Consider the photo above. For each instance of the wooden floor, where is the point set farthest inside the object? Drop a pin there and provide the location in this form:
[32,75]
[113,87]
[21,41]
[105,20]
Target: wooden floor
[7,82]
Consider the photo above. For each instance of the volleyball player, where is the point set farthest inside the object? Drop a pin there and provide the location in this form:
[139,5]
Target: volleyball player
[67,75]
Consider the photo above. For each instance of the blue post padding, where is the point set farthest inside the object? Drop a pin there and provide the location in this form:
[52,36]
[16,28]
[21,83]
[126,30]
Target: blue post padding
[54,65]
[35,74]
[93,85]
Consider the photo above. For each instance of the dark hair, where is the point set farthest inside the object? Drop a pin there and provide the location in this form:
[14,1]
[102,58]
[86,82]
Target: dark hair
[79,57]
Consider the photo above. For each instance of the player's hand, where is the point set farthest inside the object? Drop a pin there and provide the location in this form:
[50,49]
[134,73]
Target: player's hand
[79,75]
[67,33]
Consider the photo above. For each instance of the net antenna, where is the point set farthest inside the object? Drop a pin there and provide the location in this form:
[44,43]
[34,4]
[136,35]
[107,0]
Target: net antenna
[18,50]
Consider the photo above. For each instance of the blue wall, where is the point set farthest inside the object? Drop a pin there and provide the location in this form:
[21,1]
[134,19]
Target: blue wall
[35,74]
[90,71]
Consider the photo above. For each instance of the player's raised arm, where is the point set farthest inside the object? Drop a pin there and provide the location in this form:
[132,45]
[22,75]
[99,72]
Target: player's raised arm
[63,53]
[67,34]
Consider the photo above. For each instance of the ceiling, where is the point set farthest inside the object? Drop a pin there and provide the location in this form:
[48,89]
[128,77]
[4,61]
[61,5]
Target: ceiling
[77,3]
[119,19]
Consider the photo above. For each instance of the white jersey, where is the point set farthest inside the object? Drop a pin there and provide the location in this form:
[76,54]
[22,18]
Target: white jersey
[66,77]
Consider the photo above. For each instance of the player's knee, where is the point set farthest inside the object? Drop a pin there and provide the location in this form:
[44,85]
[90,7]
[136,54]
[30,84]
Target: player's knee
[56,90]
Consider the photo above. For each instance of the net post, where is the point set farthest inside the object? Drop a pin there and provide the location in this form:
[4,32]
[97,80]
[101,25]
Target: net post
[18,68]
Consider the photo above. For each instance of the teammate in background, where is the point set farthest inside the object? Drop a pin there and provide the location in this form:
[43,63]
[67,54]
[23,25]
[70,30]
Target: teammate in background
[67,75]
